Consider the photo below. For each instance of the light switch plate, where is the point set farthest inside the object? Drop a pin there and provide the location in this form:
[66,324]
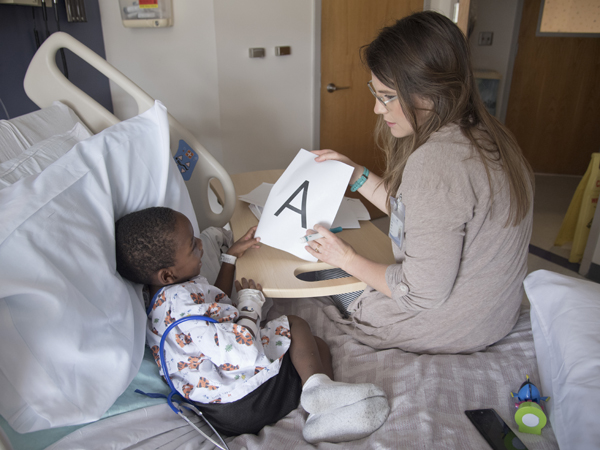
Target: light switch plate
[281,51]
[257,52]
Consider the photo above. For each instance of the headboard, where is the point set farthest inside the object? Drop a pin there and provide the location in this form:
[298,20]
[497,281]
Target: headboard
[45,83]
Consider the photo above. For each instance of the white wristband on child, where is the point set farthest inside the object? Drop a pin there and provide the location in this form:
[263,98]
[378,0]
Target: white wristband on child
[229,259]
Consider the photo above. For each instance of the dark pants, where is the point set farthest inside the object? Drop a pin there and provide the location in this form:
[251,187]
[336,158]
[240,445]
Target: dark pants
[271,401]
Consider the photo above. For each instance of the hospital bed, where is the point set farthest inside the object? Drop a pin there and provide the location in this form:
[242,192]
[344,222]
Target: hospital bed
[72,330]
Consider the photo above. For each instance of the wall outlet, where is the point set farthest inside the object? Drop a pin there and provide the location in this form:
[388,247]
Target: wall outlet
[485,38]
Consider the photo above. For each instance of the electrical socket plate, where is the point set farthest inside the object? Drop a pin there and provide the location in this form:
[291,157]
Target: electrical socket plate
[485,38]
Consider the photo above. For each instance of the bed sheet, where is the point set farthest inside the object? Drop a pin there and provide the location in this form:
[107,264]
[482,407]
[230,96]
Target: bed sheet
[427,395]
[147,379]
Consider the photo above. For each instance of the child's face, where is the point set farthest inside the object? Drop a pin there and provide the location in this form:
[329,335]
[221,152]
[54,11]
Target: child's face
[188,254]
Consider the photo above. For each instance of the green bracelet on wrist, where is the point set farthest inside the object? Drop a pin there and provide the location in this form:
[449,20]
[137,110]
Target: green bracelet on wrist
[358,183]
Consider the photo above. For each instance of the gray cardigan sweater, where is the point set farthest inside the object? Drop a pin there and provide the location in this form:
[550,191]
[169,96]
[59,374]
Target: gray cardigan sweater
[457,284]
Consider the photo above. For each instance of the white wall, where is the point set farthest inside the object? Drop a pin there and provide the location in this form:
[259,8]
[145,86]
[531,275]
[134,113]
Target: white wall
[503,19]
[266,103]
[176,65]
[498,17]
[251,114]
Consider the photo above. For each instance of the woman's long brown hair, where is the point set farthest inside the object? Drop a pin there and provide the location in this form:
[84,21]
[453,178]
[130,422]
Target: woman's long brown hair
[425,55]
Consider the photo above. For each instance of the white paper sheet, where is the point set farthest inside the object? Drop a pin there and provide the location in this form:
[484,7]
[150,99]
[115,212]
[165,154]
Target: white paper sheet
[360,210]
[258,196]
[345,217]
[256,210]
[350,212]
[307,193]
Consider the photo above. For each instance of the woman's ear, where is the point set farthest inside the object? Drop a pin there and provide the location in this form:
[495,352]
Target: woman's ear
[423,103]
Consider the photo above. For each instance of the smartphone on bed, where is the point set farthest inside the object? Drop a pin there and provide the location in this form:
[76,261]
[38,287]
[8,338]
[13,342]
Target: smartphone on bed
[494,429]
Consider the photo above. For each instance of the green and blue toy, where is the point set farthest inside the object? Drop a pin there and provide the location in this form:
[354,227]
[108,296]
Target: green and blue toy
[530,415]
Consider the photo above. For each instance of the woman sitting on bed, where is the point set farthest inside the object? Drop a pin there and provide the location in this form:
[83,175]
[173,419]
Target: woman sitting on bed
[245,376]
[459,193]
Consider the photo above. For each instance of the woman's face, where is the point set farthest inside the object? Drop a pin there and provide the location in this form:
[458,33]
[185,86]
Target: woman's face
[392,111]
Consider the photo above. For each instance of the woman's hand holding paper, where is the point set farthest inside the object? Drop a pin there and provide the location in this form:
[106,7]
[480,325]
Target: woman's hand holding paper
[330,248]
[372,189]
[325,155]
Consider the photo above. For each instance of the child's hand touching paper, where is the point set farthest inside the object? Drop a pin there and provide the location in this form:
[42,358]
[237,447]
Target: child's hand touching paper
[246,242]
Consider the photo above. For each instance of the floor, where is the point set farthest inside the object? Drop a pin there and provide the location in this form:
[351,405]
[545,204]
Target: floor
[552,198]
[553,195]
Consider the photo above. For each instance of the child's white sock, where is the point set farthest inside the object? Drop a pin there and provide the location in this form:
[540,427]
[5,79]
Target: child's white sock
[347,423]
[250,302]
[321,394]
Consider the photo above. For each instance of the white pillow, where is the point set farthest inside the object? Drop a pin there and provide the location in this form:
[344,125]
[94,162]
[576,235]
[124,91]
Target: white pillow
[72,331]
[12,142]
[565,319]
[39,156]
[20,133]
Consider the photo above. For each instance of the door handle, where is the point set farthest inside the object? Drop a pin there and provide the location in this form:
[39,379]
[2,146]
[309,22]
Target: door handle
[332,88]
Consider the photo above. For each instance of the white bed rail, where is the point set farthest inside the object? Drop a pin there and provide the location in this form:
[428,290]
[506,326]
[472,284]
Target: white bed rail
[44,83]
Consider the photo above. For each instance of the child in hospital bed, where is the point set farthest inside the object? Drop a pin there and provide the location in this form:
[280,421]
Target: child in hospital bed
[245,376]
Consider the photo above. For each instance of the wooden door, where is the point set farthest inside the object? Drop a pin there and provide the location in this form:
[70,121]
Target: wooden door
[347,117]
[554,102]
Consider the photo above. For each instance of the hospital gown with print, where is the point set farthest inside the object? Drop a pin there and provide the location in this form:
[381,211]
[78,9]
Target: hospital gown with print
[212,362]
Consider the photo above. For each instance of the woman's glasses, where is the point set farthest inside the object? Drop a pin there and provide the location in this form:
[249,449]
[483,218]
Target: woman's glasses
[385,99]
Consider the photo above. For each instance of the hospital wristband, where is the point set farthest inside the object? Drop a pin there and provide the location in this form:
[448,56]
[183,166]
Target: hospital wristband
[229,259]
[358,183]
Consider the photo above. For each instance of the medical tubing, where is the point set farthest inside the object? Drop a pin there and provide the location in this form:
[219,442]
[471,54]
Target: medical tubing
[192,408]
[180,414]
[35,31]
[161,353]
